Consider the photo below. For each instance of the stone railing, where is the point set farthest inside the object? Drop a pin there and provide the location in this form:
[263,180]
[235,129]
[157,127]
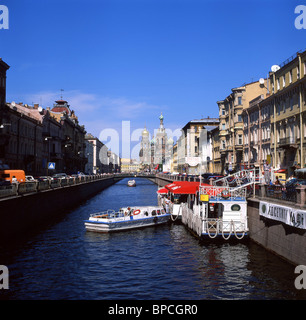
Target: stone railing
[16,189]
[296,195]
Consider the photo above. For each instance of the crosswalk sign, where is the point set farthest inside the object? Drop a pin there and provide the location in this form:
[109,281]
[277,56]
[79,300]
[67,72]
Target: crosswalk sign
[51,165]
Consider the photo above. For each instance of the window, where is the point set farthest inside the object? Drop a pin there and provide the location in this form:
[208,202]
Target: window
[240,139]
[284,80]
[297,72]
[291,103]
[239,118]
[290,76]
[235,207]
[277,83]
[239,100]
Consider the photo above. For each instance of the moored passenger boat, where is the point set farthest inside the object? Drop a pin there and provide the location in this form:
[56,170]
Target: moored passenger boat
[221,213]
[126,218]
[211,212]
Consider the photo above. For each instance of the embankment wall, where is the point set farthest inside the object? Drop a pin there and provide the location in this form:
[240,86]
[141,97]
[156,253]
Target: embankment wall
[286,241]
[23,212]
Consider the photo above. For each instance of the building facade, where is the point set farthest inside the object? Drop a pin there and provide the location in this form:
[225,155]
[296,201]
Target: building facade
[25,145]
[4,117]
[194,151]
[231,123]
[256,130]
[145,149]
[288,119]
[73,145]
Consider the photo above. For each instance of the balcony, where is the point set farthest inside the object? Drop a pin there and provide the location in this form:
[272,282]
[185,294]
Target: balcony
[288,142]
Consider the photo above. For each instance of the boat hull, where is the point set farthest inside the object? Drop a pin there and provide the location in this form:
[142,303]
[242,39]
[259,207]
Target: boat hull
[113,226]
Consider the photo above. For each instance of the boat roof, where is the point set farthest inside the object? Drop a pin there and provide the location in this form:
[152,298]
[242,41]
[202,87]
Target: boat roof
[184,187]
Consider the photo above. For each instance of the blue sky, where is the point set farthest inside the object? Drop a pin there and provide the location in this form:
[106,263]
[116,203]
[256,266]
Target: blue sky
[130,60]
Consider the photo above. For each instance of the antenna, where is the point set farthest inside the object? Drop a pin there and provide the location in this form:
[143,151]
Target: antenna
[61,93]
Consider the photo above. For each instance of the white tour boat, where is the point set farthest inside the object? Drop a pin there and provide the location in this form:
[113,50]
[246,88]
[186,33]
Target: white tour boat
[221,209]
[127,218]
[132,183]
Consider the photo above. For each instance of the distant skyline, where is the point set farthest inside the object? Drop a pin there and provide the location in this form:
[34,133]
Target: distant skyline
[130,60]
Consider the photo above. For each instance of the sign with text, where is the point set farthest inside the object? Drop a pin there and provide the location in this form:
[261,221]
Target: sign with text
[290,216]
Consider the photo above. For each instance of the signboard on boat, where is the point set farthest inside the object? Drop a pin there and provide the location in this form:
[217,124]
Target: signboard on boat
[290,216]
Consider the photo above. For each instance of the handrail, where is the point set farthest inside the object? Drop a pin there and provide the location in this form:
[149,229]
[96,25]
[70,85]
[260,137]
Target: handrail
[19,189]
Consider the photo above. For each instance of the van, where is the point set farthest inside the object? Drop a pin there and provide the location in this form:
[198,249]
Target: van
[9,175]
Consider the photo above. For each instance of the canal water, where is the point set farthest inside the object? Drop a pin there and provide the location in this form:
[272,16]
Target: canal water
[63,261]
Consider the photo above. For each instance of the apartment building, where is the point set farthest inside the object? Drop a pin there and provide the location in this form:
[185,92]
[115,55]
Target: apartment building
[194,147]
[287,83]
[256,133]
[4,118]
[74,137]
[24,149]
[216,155]
[231,123]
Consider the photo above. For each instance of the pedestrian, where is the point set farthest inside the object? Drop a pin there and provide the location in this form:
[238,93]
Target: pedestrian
[277,182]
[127,212]
[267,172]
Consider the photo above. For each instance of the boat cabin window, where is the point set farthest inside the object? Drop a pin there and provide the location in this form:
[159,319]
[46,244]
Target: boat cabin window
[215,210]
[158,212]
[176,199]
[235,207]
[154,213]
[163,211]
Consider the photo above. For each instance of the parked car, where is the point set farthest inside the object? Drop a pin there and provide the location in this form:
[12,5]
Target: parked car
[60,176]
[44,178]
[29,179]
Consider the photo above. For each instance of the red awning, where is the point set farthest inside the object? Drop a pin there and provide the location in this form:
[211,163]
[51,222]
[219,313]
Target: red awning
[163,190]
[183,187]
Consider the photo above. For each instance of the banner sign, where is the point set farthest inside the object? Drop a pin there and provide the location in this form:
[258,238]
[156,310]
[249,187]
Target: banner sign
[290,216]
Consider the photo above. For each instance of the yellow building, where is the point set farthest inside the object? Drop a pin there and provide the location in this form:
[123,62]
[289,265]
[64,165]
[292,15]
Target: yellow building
[129,165]
[287,84]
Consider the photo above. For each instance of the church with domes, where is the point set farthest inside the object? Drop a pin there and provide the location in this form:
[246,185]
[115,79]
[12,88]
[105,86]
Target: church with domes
[156,153]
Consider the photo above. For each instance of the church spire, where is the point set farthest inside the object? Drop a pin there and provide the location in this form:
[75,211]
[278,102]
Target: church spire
[161,118]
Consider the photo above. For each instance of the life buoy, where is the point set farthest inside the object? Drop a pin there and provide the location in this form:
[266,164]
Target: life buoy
[136,212]
[225,194]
